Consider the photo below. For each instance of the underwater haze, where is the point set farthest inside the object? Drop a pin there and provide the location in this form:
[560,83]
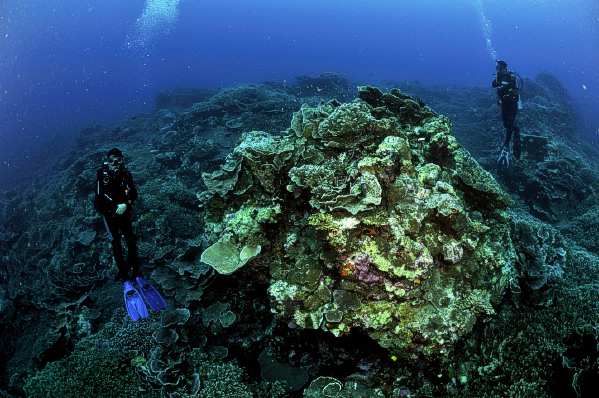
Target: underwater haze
[299,199]
[68,64]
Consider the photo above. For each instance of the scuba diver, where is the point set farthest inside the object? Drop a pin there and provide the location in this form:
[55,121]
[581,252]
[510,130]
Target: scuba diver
[508,87]
[114,197]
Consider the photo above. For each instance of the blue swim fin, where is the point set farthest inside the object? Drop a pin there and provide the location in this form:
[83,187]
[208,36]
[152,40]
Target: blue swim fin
[151,295]
[134,303]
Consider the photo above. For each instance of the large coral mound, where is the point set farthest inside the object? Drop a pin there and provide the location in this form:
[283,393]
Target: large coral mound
[365,215]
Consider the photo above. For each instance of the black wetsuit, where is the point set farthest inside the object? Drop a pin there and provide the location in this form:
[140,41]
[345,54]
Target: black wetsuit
[111,190]
[508,96]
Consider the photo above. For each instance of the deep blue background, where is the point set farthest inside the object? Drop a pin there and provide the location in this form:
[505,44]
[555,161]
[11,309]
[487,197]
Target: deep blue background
[64,64]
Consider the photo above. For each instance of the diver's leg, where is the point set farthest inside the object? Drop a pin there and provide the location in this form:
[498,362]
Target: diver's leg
[117,248]
[507,123]
[516,130]
[509,109]
[132,256]
[517,148]
[508,138]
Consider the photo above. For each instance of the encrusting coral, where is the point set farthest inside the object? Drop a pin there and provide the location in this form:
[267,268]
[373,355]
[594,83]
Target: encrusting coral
[365,218]
[368,215]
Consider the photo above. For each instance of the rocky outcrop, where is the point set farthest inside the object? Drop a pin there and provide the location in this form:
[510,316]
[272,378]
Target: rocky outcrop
[366,215]
[354,247]
[556,179]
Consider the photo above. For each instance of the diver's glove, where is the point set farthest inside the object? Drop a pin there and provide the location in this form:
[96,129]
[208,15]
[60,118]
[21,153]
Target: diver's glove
[504,158]
[120,209]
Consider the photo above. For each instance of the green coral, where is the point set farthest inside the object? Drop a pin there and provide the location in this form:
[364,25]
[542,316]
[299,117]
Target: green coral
[223,380]
[376,200]
[525,348]
[226,257]
[336,229]
[216,378]
[100,365]
[329,387]
[241,239]
[222,181]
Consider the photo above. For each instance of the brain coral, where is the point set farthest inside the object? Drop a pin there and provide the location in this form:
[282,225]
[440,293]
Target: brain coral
[367,215]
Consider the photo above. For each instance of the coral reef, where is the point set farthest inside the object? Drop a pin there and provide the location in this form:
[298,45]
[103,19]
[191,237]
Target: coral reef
[541,252]
[584,229]
[181,98]
[369,215]
[99,366]
[325,85]
[556,179]
[355,249]
[542,350]
[239,107]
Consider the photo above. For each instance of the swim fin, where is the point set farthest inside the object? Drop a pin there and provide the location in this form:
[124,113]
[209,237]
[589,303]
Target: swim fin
[503,161]
[134,303]
[151,295]
[517,145]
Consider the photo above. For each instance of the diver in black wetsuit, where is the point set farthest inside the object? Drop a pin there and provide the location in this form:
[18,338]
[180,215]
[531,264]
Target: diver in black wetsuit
[115,194]
[508,96]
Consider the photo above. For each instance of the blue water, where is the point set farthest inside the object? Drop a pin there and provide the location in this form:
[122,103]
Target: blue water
[66,64]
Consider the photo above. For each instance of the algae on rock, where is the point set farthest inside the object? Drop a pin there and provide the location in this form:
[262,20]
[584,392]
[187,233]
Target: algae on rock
[377,219]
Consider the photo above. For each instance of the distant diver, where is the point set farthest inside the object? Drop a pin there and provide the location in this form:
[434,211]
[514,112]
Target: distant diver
[508,94]
[114,197]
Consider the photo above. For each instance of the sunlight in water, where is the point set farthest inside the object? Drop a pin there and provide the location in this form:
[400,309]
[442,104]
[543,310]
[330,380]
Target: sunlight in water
[157,17]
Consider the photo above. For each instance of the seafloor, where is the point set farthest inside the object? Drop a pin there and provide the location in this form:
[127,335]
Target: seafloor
[315,240]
